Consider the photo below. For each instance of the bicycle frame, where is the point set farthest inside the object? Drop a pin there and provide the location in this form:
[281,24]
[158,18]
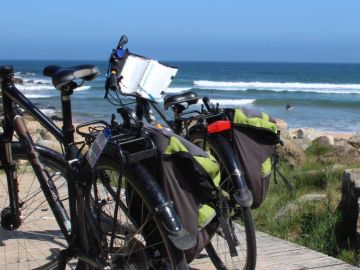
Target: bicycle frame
[12,97]
[14,123]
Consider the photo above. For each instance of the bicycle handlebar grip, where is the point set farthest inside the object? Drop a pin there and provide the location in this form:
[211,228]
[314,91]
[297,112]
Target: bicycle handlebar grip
[123,41]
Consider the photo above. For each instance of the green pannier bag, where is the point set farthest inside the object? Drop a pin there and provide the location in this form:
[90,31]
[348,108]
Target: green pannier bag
[255,137]
[190,178]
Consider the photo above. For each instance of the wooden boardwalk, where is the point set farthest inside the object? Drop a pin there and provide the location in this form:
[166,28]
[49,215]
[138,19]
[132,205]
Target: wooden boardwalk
[273,253]
[278,254]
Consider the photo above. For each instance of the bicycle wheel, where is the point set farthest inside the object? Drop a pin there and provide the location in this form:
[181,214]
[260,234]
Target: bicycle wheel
[241,221]
[38,239]
[140,241]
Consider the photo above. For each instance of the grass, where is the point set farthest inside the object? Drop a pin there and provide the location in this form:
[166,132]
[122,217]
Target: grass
[314,224]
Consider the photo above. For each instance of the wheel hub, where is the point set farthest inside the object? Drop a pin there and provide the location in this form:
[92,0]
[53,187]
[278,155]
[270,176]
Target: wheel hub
[9,220]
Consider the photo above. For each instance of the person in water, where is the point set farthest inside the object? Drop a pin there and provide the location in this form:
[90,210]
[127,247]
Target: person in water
[289,107]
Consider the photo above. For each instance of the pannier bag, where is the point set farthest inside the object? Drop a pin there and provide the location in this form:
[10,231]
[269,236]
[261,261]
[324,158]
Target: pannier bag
[255,137]
[190,178]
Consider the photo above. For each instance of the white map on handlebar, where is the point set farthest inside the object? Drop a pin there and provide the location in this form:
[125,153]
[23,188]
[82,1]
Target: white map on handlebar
[145,77]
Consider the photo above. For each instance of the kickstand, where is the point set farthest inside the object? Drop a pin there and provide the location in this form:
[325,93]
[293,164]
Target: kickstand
[287,183]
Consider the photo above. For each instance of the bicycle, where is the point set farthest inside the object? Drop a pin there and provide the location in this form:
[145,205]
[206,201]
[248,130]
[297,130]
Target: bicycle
[85,200]
[211,131]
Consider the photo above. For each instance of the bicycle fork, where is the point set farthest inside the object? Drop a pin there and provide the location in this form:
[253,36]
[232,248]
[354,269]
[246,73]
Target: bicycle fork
[13,212]
[10,216]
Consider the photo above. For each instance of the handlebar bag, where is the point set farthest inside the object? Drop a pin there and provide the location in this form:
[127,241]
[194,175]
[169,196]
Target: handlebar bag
[189,177]
[255,137]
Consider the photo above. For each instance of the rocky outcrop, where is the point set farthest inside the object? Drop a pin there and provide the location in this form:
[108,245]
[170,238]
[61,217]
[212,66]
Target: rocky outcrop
[283,127]
[56,118]
[18,81]
[291,208]
[312,197]
[305,143]
[286,211]
[292,153]
[325,140]
[355,140]
[306,133]
[343,154]
[45,135]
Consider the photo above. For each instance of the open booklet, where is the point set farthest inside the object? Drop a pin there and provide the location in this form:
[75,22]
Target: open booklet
[144,77]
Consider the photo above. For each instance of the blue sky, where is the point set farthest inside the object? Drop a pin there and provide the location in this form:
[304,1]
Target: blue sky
[267,30]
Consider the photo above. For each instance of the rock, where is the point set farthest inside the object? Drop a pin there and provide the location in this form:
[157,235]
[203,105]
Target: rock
[304,143]
[281,124]
[340,141]
[45,135]
[312,133]
[355,140]
[342,154]
[311,198]
[283,127]
[316,173]
[305,133]
[56,118]
[349,206]
[292,153]
[18,81]
[325,140]
[286,212]
[337,167]
[300,133]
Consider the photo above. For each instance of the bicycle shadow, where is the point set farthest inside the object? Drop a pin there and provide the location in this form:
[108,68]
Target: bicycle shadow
[53,236]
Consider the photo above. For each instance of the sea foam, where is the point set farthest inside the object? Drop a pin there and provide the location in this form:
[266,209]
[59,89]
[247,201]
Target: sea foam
[177,89]
[233,101]
[281,87]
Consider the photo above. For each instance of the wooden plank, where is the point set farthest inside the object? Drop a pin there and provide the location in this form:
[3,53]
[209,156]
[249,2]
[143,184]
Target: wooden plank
[279,254]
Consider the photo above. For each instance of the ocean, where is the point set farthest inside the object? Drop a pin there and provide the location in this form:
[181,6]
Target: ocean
[322,96]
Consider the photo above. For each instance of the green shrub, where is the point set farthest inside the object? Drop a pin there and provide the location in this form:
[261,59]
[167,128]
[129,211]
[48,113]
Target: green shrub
[317,150]
[313,224]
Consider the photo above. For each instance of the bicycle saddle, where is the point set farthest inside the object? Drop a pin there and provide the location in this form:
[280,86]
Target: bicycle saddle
[61,76]
[188,97]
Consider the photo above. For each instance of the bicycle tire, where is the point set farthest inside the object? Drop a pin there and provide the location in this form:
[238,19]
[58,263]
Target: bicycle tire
[243,225]
[38,240]
[155,248]
[55,160]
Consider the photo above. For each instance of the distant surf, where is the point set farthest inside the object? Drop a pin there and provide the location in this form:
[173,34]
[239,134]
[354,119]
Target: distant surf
[280,87]
[227,102]
[177,89]
[324,96]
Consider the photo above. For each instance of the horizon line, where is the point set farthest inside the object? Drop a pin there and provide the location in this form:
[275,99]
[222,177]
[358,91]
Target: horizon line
[199,61]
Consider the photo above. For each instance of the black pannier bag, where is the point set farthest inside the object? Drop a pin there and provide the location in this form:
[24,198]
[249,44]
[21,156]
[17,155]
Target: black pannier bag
[190,178]
[255,137]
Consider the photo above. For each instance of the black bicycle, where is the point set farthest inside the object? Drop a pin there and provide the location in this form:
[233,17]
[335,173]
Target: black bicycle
[234,245]
[100,210]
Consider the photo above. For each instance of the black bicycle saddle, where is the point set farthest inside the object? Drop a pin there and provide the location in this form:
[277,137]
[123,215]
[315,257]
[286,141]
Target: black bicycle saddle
[188,97]
[61,75]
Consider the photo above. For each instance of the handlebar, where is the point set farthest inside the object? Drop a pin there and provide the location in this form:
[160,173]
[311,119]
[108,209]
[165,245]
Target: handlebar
[209,105]
[113,76]
[112,82]
[123,41]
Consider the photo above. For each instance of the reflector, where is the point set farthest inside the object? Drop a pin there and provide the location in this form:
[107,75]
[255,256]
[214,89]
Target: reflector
[219,126]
